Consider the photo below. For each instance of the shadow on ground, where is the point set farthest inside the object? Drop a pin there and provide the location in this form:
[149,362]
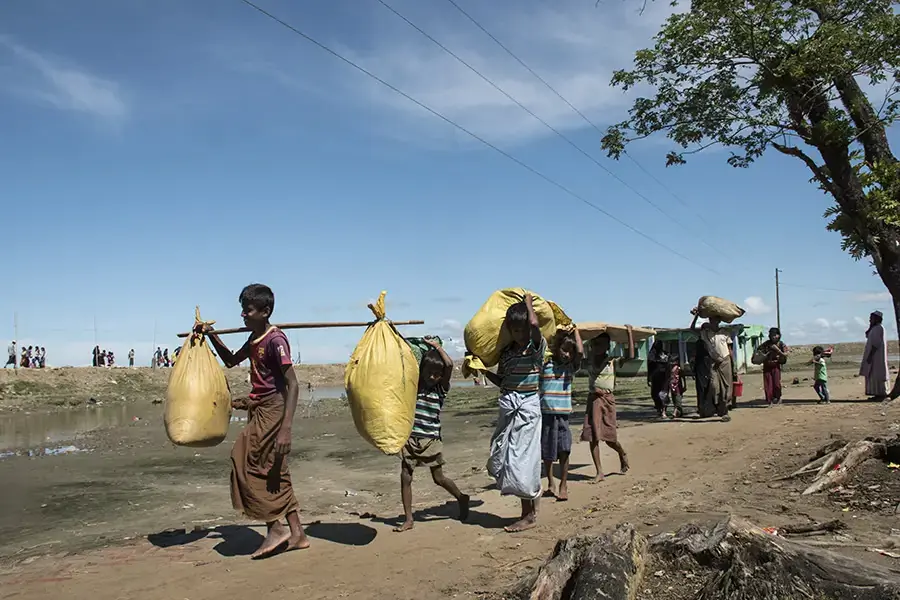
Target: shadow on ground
[243,540]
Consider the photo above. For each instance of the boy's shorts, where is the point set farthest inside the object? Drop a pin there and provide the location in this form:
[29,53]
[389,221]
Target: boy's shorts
[556,436]
[422,451]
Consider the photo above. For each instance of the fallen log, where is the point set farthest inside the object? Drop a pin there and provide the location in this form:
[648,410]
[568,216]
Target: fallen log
[804,528]
[587,567]
[850,457]
[739,561]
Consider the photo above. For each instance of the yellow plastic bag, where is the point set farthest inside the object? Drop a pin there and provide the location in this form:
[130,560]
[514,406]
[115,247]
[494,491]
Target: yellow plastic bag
[382,380]
[486,337]
[712,306]
[198,401]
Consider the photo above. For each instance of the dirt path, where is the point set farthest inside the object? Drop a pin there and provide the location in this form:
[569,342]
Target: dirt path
[680,470]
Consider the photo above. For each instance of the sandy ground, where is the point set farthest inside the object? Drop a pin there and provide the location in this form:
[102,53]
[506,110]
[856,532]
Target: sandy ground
[137,518]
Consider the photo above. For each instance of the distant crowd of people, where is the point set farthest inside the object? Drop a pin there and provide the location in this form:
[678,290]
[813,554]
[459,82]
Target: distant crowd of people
[162,359]
[33,357]
[104,358]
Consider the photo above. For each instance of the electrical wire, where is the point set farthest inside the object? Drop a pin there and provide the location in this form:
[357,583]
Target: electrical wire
[515,57]
[558,133]
[473,135]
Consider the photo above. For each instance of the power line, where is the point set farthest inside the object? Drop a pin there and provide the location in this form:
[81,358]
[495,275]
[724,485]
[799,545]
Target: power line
[475,136]
[826,289]
[558,133]
[571,106]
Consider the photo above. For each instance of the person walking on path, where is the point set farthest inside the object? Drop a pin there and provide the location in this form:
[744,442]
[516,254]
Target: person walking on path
[11,355]
[874,366]
[715,348]
[772,355]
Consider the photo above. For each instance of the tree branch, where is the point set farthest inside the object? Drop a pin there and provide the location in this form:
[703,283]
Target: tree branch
[818,172]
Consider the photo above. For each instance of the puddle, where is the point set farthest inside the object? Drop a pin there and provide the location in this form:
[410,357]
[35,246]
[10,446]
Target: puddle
[43,430]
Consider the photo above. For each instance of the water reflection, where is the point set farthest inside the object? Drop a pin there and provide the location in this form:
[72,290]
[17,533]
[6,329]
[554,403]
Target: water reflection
[22,430]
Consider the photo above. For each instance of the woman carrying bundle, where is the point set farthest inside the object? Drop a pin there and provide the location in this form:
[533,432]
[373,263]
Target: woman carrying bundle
[712,368]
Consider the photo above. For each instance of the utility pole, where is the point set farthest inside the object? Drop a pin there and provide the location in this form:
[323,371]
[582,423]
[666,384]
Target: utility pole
[18,341]
[777,300]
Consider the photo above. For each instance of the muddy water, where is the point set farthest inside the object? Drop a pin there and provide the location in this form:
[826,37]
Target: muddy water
[39,430]
[49,431]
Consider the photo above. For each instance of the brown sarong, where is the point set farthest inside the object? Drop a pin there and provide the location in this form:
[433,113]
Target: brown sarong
[260,481]
[600,418]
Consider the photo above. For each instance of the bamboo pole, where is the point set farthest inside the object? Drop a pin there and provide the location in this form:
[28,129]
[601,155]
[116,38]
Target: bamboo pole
[306,326]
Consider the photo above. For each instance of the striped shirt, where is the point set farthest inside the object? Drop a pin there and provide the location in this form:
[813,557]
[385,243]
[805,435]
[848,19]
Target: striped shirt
[602,379]
[427,423]
[521,371]
[556,387]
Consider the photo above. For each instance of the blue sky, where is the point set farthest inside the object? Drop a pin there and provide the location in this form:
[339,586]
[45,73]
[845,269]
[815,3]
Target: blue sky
[159,154]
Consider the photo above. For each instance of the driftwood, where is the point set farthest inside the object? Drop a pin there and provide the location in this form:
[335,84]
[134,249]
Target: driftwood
[582,565]
[804,528]
[834,462]
[837,469]
[739,562]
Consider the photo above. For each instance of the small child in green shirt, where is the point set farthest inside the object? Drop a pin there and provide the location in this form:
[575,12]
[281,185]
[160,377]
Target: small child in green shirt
[820,375]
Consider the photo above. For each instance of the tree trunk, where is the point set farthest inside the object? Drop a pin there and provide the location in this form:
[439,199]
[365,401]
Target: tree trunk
[895,393]
[736,561]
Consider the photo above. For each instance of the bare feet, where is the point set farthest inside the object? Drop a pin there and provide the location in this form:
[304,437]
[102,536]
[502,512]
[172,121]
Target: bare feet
[406,526]
[522,525]
[599,478]
[623,461]
[463,507]
[277,537]
[563,494]
[549,493]
[297,542]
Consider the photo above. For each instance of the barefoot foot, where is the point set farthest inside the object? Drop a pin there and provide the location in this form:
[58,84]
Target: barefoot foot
[276,539]
[563,494]
[623,461]
[406,526]
[521,525]
[297,542]
[599,478]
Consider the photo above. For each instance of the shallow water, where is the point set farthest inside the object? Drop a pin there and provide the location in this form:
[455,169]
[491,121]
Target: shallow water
[38,430]
[45,431]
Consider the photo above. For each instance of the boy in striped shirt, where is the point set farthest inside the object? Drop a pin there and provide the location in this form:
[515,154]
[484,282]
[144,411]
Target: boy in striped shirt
[556,406]
[424,446]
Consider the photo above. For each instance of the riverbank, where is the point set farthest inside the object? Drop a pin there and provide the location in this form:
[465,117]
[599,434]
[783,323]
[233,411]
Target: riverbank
[71,387]
[106,521]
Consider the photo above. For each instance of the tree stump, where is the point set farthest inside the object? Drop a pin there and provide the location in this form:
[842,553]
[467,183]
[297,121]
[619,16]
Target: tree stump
[745,563]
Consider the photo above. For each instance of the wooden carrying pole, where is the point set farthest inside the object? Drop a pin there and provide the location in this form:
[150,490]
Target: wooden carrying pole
[306,326]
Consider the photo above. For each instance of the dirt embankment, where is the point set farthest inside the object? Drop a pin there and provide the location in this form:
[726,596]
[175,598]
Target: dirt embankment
[50,389]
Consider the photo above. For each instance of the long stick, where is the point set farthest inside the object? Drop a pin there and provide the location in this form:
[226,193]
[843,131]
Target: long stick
[306,326]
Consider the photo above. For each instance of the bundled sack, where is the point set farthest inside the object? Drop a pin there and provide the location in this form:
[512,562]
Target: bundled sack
[711,306]
[198,401]
[419,347]
[486,337]
[382,380]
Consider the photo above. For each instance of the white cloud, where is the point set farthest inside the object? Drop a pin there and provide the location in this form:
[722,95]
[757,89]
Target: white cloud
[839,326]
[822,323]
[873,297]
[65,87]
[861,322]
[575,47]
[757,306]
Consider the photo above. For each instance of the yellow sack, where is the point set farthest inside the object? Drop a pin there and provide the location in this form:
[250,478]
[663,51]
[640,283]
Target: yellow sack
[486,337]
[711,306]
[382,381]
[198,401]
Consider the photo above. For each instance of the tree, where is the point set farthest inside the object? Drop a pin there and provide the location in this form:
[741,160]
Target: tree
[751,76]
